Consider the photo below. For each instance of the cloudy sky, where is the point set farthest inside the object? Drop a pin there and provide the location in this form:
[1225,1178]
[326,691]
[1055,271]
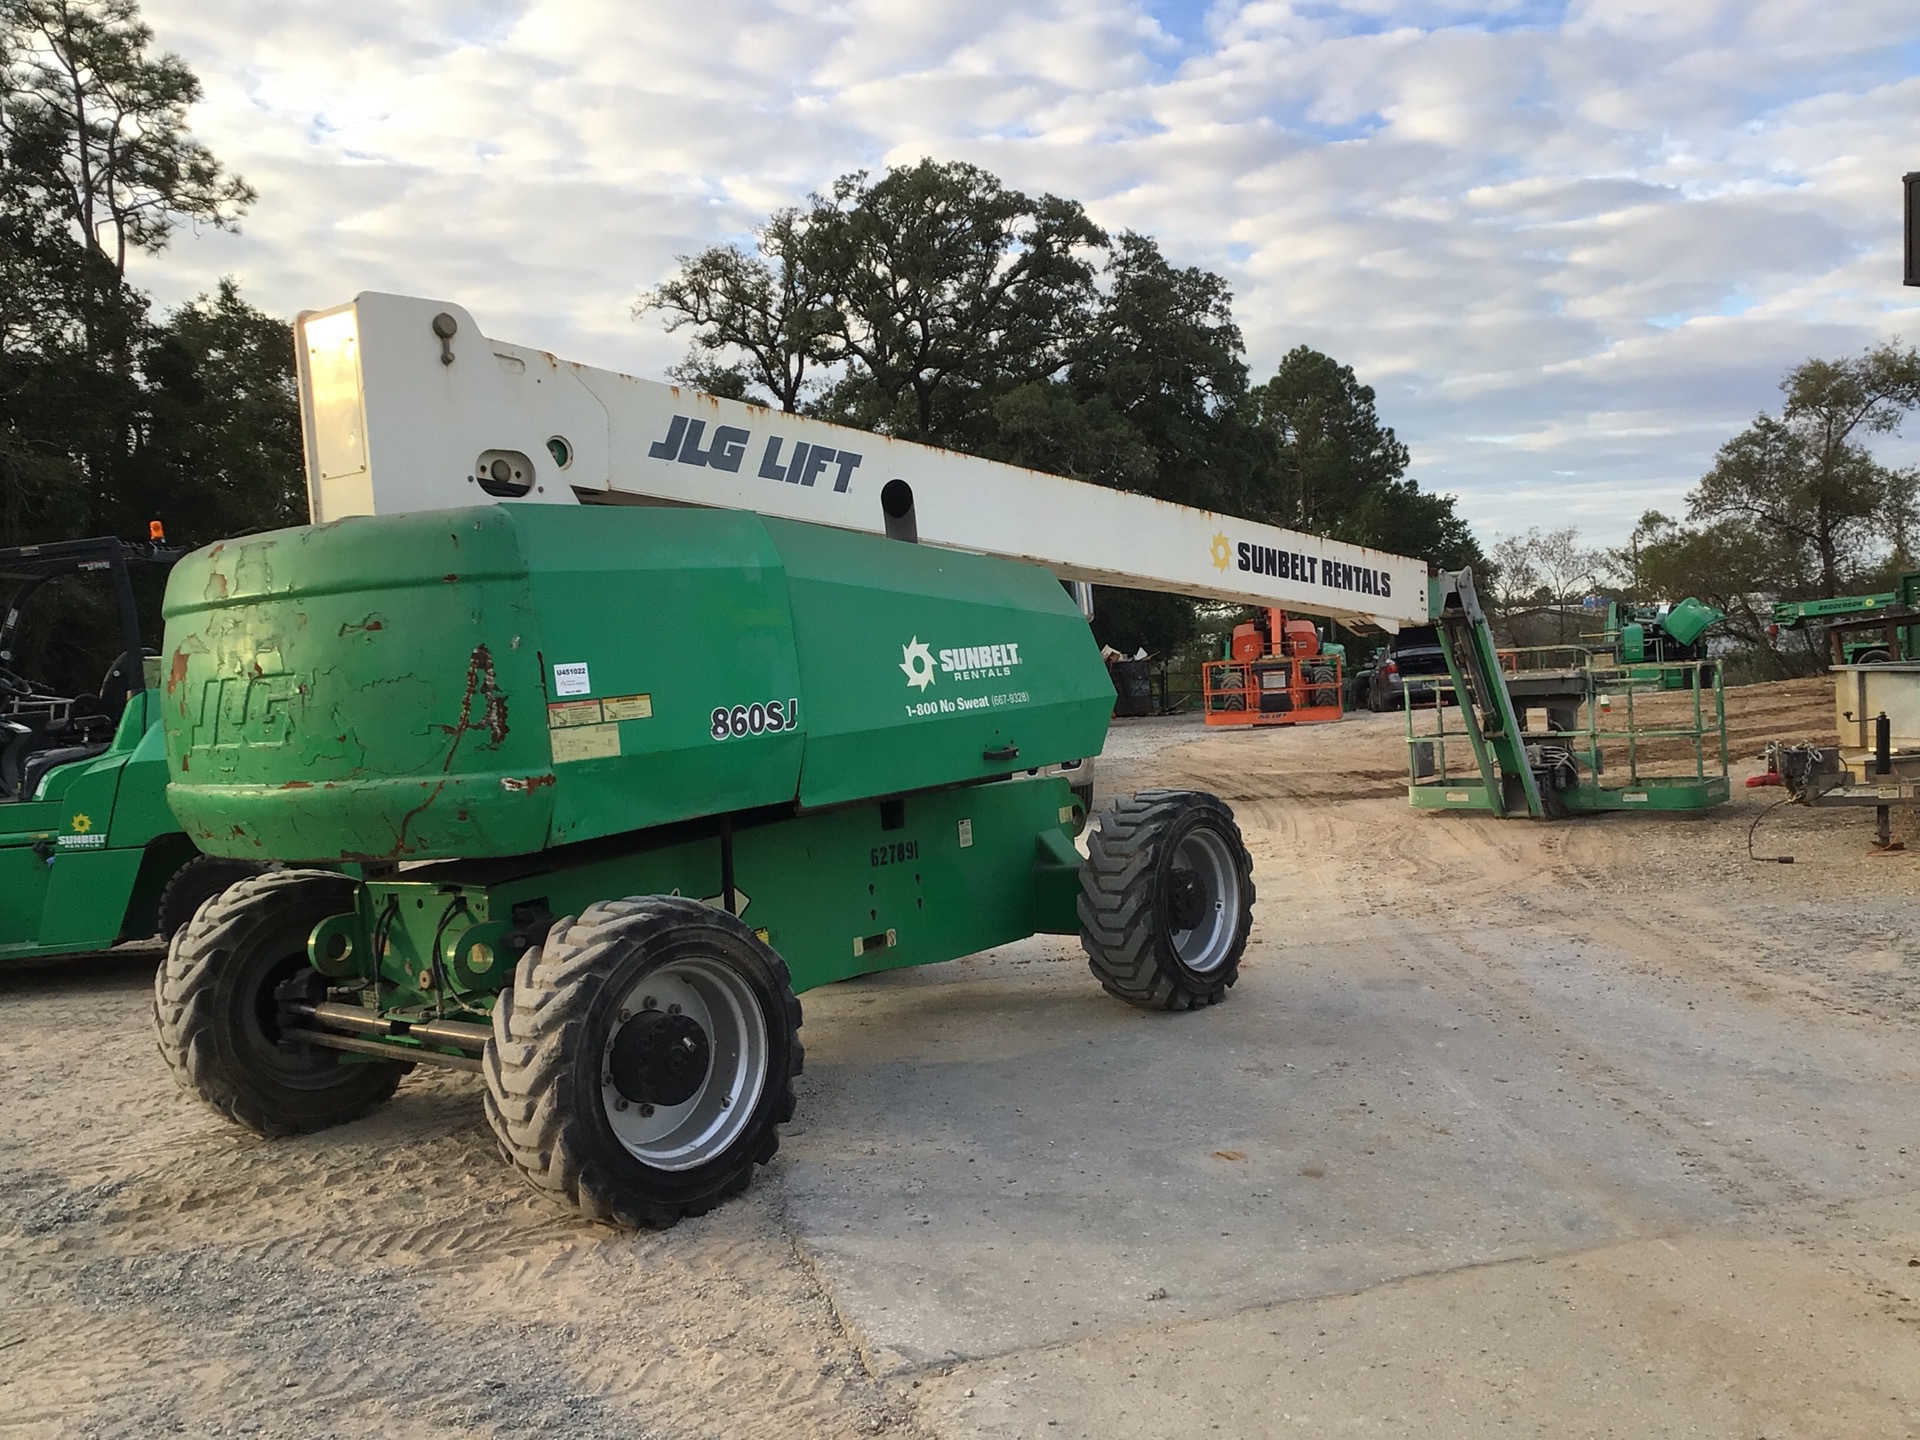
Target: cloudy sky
[1573,244]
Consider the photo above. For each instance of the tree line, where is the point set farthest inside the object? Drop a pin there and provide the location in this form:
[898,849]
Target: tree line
[932,302]
[112,415]
[109,413]
[1797,506]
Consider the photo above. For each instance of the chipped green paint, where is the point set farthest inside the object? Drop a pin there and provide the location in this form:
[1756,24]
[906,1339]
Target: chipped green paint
[560,705]
[503,680]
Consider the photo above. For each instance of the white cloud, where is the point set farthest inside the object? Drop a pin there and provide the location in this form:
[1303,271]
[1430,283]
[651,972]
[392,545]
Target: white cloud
[1573,246]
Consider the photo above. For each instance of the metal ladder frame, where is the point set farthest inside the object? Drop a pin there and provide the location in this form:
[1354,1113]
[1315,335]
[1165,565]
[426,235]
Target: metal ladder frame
[1493,729]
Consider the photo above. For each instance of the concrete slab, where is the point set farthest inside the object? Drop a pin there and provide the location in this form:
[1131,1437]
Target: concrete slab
[1712,1334]
[994,1155]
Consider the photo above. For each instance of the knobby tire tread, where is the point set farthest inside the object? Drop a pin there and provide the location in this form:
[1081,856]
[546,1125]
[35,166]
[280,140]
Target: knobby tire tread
[184,1013]
[1119,924]
[190,878]
[536,1025]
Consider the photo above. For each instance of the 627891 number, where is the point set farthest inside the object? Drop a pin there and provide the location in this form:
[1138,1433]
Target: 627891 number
[762,717]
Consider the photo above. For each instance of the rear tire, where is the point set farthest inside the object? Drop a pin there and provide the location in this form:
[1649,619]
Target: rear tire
[195,883]
[214,1009]
[1167,900]
[1228,688]
[643,1060]
[1324,691]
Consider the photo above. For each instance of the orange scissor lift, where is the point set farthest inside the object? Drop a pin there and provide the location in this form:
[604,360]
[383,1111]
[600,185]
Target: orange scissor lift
[1275,673]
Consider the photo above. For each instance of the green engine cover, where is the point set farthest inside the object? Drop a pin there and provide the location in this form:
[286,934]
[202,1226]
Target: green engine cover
[1689,620]
[501,680]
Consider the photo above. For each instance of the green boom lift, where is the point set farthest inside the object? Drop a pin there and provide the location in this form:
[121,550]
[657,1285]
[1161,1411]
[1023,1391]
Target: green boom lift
[1599,751]
[1862,629]
[582,796]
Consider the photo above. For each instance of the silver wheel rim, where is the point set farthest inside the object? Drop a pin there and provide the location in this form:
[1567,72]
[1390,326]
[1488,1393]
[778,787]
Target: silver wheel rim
[679,1137]
[1205,947]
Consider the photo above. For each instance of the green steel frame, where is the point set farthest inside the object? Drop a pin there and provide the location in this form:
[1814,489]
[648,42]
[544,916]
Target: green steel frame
[1441,788]
[838,893]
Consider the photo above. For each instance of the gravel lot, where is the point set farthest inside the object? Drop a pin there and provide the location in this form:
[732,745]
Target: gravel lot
[1596,1128]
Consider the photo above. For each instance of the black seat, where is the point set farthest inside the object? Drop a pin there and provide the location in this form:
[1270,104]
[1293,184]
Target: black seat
[21,739]
[41,761]
[26,758]
[117,684]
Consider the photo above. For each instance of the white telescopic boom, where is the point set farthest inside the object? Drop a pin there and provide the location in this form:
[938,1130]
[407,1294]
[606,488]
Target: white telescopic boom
[407,405]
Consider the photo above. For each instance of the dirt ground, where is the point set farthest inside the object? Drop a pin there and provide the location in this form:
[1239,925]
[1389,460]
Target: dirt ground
[1588,1128]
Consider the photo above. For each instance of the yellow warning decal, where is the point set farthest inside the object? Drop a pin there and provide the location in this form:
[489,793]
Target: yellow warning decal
[585,742]
[565,713]
[628,707]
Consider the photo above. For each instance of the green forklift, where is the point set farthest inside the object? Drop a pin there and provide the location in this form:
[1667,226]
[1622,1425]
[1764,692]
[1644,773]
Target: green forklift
[90,855]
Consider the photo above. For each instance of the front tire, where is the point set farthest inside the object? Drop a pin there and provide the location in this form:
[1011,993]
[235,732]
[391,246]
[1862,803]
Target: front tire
[643,1060]
[1166,901]
[216,1002]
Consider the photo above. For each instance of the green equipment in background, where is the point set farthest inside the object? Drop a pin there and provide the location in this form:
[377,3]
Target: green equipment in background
[89,853]
[619,783]
[1654,642]
[1862,629]
[1600,751]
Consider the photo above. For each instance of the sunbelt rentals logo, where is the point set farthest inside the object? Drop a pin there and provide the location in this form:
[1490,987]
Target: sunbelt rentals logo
[920,662]
[917,661]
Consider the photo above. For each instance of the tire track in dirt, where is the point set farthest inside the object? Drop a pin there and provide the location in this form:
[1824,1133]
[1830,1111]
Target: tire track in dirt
[1756,1185]
[541,1325]
[1438,880]
[1762,1191]
[164,1273]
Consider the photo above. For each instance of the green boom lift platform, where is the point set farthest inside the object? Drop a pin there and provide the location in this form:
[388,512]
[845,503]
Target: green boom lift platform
[1599,751]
